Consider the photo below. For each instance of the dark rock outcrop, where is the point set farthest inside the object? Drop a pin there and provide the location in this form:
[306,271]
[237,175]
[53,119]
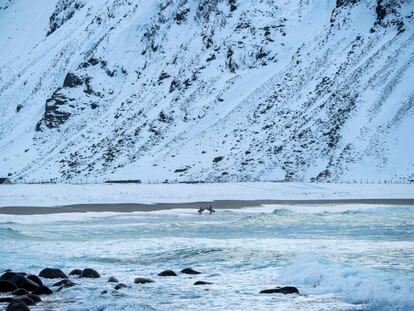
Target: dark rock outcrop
[190,271]
[55,111]
[202,283]
[90,273]
[167,273]
[143,281]
[71,80]
[281,290]
[63,12]
[7,286]
[52,273]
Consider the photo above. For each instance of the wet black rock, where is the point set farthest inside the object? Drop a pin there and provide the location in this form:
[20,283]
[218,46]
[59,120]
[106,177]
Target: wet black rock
[167,273]
[143,281]
[7,286]
[112,279]
[43,290]
[26,299]
[34,297]
[35,279]
[17,305]
[23,282]
[20,291]
[64,283]
[77,272]
[202,283]
[6,299]
[51,273]
[7,276]
[104,292]
[281,290]
[19,280]
[90,273]
[190,271]
[120,285]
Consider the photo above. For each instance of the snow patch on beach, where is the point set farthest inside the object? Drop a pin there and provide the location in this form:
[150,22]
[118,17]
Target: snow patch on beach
[55,195]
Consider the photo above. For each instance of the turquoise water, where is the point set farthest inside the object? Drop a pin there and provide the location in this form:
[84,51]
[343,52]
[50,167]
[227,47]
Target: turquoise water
[340,257]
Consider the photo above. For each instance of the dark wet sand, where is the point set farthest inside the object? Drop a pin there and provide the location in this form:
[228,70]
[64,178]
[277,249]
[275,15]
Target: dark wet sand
[222,204]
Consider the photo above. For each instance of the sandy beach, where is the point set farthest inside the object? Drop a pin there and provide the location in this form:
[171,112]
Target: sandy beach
[220,204]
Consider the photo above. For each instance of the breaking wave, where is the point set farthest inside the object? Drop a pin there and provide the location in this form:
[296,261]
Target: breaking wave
[373,289]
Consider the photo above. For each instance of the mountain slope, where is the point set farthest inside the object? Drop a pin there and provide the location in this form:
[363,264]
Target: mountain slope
[207,89]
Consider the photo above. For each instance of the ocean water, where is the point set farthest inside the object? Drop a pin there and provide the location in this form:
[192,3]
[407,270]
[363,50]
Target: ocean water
[353,257]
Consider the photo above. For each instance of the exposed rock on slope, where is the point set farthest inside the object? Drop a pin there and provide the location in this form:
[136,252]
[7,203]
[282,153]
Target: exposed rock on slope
[207,90]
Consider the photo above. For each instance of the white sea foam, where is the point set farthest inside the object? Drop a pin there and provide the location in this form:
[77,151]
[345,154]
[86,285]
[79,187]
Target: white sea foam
[340,259]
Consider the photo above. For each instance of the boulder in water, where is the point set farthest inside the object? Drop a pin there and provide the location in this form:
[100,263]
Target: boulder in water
[35,279]
[23,282]
[190,271]
[34,297]
[143,281]
[64,283]
[43,290]
[7,286]
[17,305]
[7,276]
[26,299]
[52,273]
[120,285]
[281,290]
[77,272]
[6,299]
[112,279]
[19,280]
[202,283]
[167,273]
[20,292]
[90,273]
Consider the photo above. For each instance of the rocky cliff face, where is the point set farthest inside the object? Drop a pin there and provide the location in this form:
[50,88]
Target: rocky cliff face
[207,90]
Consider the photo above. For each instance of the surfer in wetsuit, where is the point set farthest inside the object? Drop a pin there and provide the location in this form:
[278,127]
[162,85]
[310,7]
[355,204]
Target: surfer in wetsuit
[200,210]
[210,209]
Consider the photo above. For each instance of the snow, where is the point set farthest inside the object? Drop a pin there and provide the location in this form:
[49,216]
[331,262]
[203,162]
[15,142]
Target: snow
[271,118]
[65,194]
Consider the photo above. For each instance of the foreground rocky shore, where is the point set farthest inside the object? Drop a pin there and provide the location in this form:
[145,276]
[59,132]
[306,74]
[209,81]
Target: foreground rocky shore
[20,290]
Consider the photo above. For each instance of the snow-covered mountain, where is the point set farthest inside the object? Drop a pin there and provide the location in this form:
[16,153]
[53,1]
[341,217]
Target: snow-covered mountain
[210,90]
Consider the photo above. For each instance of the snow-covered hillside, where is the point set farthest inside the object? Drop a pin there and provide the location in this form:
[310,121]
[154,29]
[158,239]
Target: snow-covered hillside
[215,90]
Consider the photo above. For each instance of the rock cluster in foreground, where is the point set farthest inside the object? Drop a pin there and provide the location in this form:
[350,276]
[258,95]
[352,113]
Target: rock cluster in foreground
[24,290]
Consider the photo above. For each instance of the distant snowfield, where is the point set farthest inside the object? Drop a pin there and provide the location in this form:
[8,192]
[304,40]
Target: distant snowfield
[64,194]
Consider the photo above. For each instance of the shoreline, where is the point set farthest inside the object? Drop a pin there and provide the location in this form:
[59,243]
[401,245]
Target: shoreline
[219,204]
